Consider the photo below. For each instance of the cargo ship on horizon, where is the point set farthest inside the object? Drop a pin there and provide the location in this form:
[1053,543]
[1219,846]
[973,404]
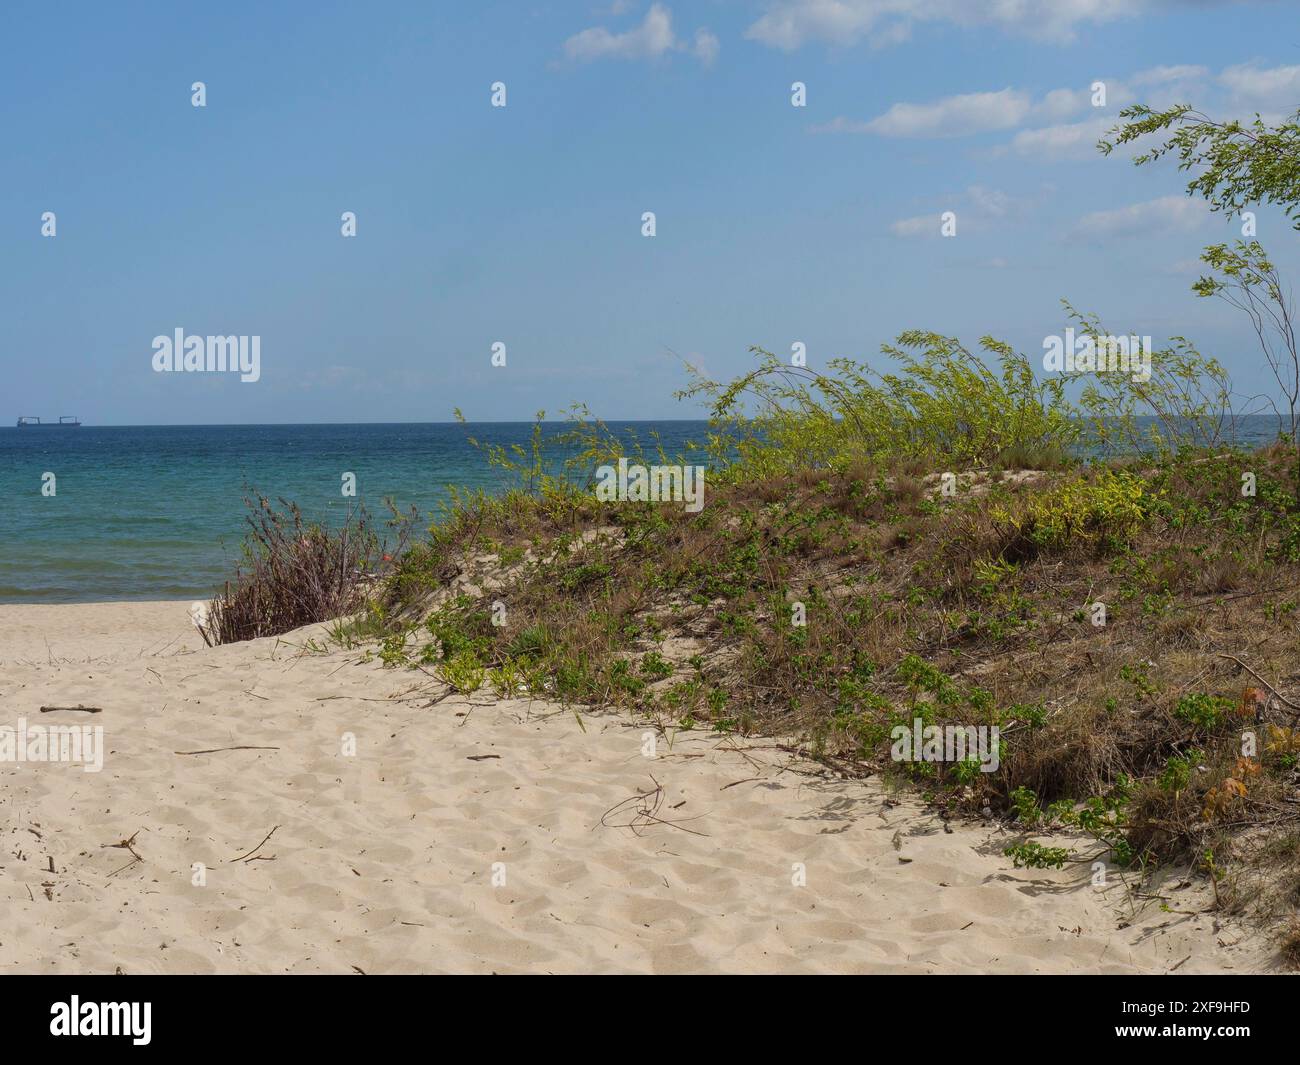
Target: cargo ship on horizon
[66,421]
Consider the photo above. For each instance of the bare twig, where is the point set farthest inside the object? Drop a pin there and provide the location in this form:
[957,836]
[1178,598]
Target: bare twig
[644,809]
[214,750]
[1278,695]
[243,857]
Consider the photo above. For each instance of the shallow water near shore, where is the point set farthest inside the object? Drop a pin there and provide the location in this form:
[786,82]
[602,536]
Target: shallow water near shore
[157,512]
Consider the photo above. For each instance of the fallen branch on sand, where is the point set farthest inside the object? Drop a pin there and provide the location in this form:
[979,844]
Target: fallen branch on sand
[83,709]
[214,750]
[244,857]
[126,844]
[644,808]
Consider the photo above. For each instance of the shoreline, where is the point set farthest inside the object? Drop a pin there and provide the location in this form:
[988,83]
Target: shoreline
[385,860]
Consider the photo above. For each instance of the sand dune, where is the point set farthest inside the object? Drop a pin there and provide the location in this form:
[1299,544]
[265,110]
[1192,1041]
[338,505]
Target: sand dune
[391,859]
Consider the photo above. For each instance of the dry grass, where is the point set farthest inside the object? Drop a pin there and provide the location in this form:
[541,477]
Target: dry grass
[294,574]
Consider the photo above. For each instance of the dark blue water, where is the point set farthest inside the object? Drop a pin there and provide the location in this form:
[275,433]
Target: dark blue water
[157,512]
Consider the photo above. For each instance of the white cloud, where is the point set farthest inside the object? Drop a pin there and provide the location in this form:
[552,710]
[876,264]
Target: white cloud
[921,225]
[841,125]
[1168,214]
[1010,108]
[706,46]
[975,209]
[1249,86]
[990,202]
[652,39]
[1158,87]
[1263,87]
[1066,142]
[953,116]
[1166,75]
[1062,103]
[1161,87]
[978,112]
[790,24]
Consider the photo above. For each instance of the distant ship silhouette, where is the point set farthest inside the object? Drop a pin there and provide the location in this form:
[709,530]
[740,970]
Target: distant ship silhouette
[67,421]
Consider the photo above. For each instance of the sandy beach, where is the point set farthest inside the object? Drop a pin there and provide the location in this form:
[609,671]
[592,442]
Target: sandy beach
[485,836]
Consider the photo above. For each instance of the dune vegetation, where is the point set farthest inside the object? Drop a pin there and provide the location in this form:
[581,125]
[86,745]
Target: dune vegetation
[1089,562]
[1128,624]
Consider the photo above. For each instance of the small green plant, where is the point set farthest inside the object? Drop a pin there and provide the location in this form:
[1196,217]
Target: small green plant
[531,643]
[621,678]
[919,676]
[1206,712]
[463,672]
[392,650]
[990,573]
[654,665]
[1104,511]
[1036,856]
[1177,773]
[1025,803]
[510,680]
[1033,714]
[1137,675]
[1104,817]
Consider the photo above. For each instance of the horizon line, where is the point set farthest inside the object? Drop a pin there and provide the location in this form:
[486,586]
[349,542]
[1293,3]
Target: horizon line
[274,425]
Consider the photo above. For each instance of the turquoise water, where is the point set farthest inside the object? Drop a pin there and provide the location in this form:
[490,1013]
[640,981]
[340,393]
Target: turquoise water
[157,512]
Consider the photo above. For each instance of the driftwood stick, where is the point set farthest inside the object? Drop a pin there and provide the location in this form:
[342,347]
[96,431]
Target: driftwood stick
[214,750]
[255,849]
[83,709]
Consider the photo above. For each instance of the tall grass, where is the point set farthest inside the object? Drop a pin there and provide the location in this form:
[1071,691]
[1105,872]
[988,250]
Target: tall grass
[294,573]
[953,407]
[943,401]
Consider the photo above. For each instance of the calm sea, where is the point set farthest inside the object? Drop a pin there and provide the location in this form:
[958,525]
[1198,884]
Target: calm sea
[157,512]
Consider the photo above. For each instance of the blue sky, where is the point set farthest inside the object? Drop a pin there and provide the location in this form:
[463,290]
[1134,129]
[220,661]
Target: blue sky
[522,224]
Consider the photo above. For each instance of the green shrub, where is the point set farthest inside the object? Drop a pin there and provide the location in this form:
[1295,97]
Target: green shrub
[1206,712]
[1106,510]
[1036,856]
[463,672]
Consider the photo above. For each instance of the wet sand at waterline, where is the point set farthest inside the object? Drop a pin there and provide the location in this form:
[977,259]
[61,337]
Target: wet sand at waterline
[391,860]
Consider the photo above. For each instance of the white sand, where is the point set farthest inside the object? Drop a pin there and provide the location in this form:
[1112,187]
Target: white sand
[384,861]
